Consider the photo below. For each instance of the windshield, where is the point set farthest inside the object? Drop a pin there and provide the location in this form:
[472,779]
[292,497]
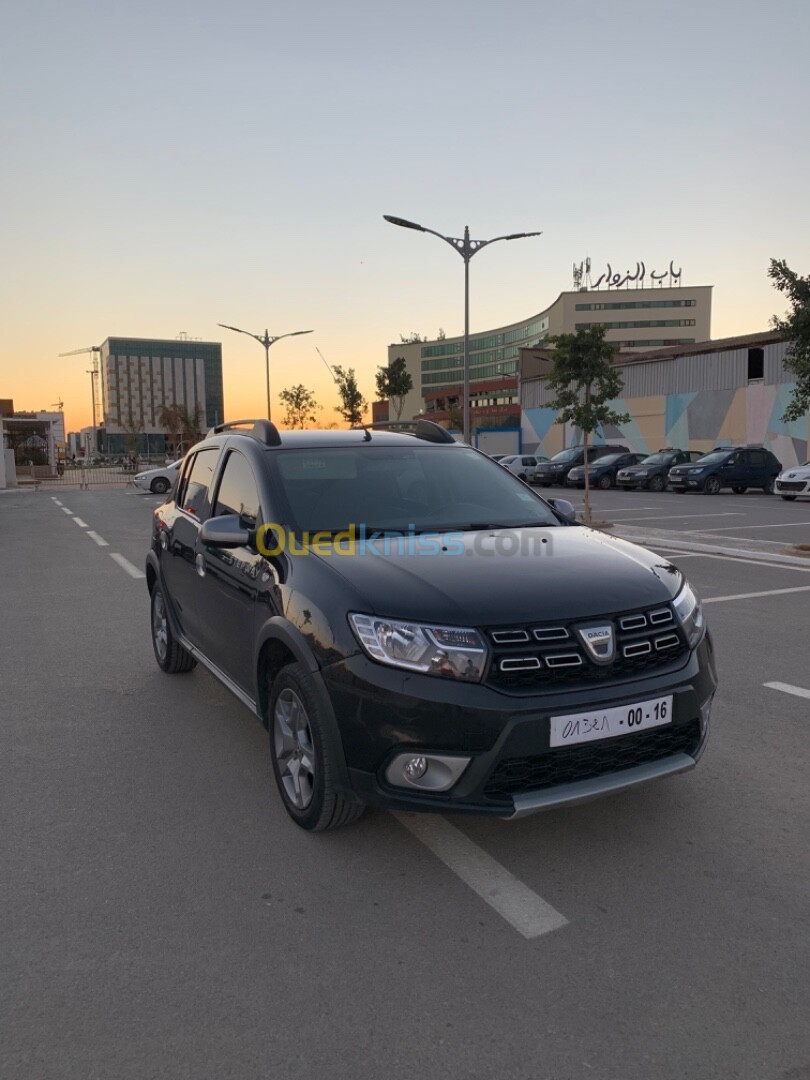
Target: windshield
[567,455]
[657,459]
[608,459]
[420,488]
[711,459]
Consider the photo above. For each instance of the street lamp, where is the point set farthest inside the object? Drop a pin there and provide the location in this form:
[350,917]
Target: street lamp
[267,341]
[466,249]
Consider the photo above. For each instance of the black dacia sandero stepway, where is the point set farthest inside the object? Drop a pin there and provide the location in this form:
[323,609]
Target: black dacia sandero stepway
[416,628]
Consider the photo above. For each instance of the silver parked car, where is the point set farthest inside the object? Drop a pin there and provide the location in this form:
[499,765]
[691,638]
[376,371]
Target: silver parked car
[158,481]
[523,466]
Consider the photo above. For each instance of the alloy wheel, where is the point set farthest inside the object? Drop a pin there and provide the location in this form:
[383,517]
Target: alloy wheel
[294,749]
[160,629]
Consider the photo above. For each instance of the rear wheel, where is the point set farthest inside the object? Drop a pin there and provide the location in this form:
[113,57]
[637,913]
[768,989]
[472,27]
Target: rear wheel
[712,486]
[302,761]
[739,490]
[657,483]
[770,485]
[169,653]
[522,476]
[788,498]
[605,481]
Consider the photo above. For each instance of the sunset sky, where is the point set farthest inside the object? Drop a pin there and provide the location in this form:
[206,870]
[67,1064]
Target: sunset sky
[171,165]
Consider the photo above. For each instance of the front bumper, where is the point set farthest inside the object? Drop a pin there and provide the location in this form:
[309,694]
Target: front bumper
[631,481]
[792,487]
[512,771]
[687,483]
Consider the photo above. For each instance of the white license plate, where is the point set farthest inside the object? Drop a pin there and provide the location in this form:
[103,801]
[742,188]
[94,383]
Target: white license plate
[607,723]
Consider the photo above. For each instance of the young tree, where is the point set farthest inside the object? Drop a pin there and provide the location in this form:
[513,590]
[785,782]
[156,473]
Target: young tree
[394,383]
[190,424]
[300,406]
[132,431]
[352,403]
[796,328]
[169,418]
[584,380]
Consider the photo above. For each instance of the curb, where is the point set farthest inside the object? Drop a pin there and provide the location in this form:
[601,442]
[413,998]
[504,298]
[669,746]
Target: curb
[711,549]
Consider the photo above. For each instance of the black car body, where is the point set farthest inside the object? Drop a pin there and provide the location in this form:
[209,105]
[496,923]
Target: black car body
[556,471]
[652,472]
[500,671]
[738,468]
[602,472]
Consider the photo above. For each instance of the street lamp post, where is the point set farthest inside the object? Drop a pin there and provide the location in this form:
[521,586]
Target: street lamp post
[267,341]
[466,249]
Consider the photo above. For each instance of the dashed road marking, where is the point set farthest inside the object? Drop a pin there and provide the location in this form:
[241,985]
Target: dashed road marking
[98,539]
[56,500]
[522,908]
[80,523]
[126,565]
[786,688]
[66,511]
[755,595]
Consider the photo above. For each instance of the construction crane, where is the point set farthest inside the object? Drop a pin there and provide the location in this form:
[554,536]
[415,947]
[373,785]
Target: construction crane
[58,405]
[95,349]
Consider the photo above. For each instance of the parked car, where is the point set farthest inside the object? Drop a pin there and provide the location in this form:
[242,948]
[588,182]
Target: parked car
[652,472]
[793,482]
[602,472]
[356,591]
[556,471]
[738,468]
[523,466]
[158,481]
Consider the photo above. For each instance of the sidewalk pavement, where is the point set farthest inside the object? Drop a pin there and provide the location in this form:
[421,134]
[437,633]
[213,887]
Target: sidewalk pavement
[707,543]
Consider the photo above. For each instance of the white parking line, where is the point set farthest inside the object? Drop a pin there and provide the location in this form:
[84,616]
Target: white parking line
[125,564]
[98,539]
[523,909]
[754,595]
[66,511]
[745,528]
[681,517]
[786,688]
[80,523]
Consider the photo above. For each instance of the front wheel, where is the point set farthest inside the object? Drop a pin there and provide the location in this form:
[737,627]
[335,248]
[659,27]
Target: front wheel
[169,653]
[739,490]
[160,485]
[712,486]
[657,483]
[788,498]
[302,761]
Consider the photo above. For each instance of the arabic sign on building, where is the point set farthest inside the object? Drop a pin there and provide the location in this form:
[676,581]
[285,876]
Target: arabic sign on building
[611,280]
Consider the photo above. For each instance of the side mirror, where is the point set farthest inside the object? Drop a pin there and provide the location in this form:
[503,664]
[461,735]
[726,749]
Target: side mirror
[224,532]
[564,507]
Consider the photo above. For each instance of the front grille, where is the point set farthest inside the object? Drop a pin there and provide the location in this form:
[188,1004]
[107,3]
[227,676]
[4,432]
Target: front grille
[516,776]
[791,485]
[527,658]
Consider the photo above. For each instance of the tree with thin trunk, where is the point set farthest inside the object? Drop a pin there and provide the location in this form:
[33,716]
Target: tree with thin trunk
[584,381]
[169,418]
[190,424]
[352,403]
[394,383]
[796,327]
[300,406]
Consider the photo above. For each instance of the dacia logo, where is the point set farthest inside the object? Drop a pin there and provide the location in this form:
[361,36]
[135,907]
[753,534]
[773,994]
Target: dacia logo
[599,641]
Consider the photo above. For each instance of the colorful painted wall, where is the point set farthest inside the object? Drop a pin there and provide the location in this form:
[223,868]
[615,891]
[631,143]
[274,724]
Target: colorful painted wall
[695,421]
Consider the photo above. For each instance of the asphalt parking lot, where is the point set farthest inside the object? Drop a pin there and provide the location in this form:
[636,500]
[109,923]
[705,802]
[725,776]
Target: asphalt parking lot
[163,918]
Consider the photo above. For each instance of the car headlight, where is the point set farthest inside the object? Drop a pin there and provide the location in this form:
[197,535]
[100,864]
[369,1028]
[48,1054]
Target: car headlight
[140,476]
[694,472]
[451,651]
[641,472]
[690,614]
[557,466]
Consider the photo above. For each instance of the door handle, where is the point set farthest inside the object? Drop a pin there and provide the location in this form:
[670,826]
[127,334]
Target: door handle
[199,562]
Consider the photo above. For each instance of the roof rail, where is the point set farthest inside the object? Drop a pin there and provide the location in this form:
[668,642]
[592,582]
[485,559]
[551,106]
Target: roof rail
[421,429]
[262,430]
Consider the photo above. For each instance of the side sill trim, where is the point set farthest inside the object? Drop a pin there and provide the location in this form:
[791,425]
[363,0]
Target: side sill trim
[583,790]
[220,675]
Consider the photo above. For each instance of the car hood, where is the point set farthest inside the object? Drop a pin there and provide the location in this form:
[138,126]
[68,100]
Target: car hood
[639,469]
[797,472]
[578,573]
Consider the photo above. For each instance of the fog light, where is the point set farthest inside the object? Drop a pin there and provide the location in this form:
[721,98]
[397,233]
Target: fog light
[415,768]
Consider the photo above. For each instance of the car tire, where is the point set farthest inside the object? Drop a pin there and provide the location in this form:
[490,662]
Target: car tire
[656,483]
[160,485]
[789,498]
[169,653]
[770,485]
[712,485]
[302,760]
[545,485]
[605,482]
[739,490]
[522,476]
